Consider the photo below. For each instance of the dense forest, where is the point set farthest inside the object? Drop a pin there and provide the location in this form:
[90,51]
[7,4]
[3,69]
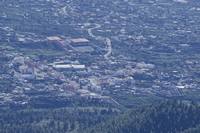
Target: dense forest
[165,117]
[52,120]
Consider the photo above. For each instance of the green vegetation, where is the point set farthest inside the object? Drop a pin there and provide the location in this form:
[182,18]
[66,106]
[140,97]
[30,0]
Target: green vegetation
[52,121]
[165,117]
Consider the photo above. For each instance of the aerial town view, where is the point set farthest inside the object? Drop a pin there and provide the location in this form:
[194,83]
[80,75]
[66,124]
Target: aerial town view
[93,60]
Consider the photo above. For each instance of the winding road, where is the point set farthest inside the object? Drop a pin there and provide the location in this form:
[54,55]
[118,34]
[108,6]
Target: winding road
[106,40]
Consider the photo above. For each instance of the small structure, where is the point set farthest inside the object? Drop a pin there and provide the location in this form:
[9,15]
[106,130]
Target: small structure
[68,66]
[81,45]
[54,38]
[79,40]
